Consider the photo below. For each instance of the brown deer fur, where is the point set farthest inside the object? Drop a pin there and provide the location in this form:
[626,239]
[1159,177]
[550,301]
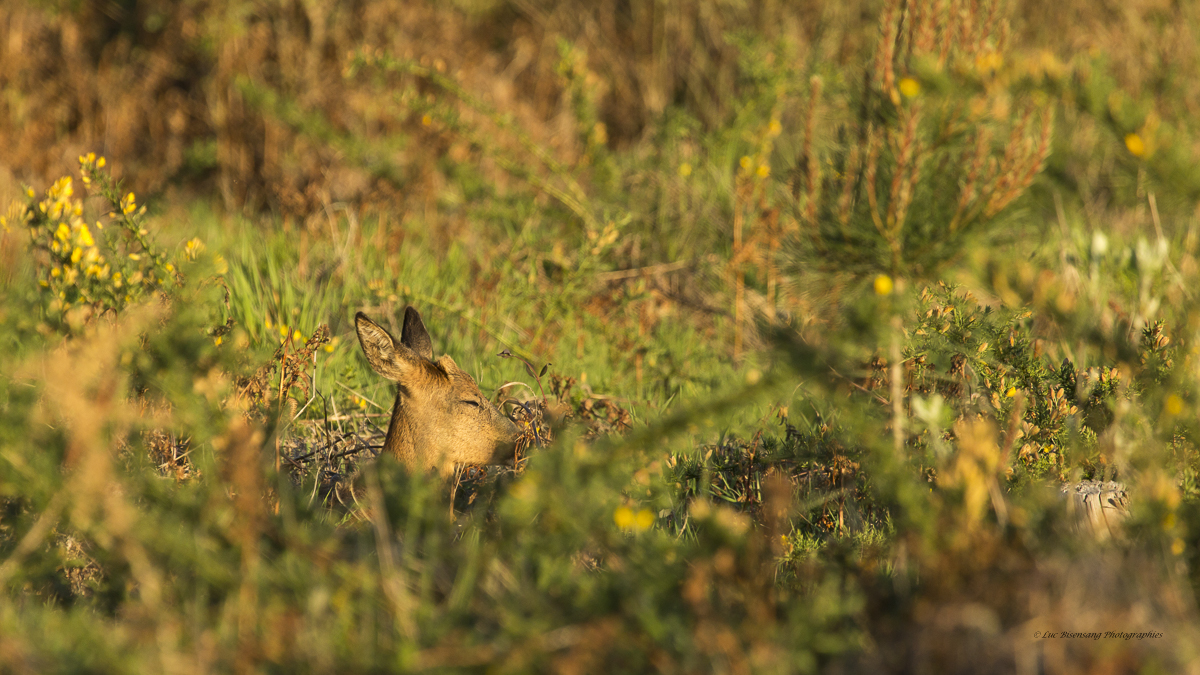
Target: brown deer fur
[440,417]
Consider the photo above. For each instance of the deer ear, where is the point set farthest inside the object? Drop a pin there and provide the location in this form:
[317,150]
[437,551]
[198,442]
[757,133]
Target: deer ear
[415,337]
[448,365]
[387,357]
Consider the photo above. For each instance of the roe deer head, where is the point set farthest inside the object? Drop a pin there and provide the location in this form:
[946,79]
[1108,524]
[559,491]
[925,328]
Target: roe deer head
[440,417]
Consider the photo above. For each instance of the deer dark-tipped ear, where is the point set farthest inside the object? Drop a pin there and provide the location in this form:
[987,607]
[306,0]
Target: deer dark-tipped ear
[415,337]
[387,357]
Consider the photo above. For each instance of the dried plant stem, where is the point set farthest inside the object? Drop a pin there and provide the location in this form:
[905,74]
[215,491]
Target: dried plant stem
[949,11]
[926,17]
[903,178]
[1018,170]
[966,197]
[886,55]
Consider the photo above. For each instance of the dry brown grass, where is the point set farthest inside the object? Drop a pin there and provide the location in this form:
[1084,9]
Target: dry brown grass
[160,88]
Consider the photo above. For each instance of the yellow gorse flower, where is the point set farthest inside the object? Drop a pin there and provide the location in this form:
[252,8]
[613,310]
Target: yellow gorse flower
[1135,145]
[989,62]
[629,520]
[73,269]
[1173,404]
[623,517]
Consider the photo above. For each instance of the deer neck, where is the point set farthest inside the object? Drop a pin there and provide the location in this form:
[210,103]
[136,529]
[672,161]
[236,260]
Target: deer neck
[402,434]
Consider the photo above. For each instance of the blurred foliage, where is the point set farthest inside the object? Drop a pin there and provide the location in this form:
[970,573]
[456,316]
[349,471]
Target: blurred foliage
[820,303]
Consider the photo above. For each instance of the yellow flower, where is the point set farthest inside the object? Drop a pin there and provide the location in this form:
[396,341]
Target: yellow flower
[644,519]
[1173,405]
[989,62]
[774,128]
[745,161]
[76,254]
[101,162]
[909,87]
[1012,391]
[685,169]
[884,285]
[193,248]
[624,517]
[85,236]
[763,171]
[297,336]
[426,120]
[135,257]
[1135,144]
[218,340]
[63,232]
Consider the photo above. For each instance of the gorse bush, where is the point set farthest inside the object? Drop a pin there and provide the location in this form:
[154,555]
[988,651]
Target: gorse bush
[81,277]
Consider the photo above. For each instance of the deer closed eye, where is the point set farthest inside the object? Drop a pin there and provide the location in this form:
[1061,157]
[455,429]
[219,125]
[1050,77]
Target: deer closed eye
[470,402]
